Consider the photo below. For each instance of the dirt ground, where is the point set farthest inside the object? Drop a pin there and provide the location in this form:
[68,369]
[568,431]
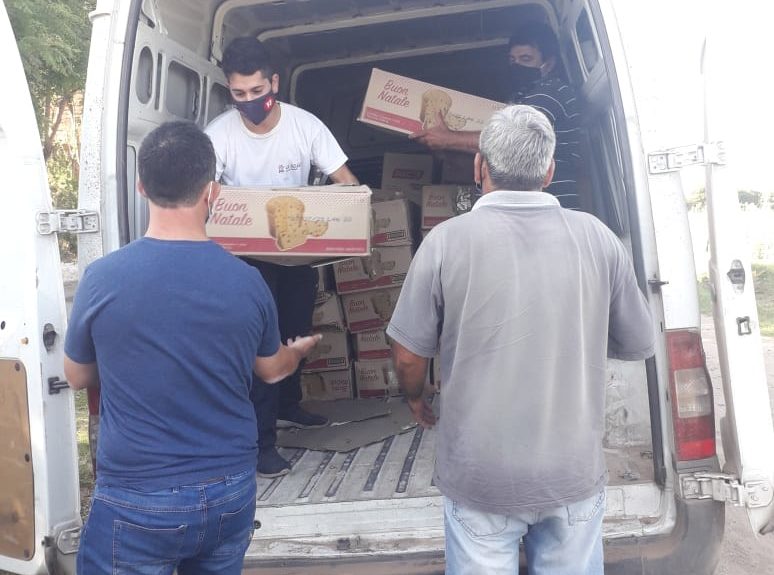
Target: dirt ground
[742,553]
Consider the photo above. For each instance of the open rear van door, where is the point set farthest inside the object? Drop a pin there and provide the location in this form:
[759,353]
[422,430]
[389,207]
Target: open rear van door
[748,437]
[39,498]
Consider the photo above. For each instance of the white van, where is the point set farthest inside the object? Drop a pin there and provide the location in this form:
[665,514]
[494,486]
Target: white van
[376,509]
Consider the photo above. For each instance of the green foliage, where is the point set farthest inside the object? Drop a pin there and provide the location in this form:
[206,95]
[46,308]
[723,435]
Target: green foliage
[53,39]
[763,280]
[63,181]
[698,200]
[750,198]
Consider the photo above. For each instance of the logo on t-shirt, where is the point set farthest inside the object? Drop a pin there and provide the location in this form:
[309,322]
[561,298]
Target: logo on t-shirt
[291,167]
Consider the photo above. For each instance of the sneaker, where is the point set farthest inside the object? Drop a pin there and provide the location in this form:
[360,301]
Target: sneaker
[272,464]
[298,417]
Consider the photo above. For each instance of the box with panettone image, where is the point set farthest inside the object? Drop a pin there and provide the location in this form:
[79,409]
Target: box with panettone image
[293,226]
[406,105]
[369,310]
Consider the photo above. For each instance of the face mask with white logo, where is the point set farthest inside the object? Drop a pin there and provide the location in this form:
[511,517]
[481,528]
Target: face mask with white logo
[258,109]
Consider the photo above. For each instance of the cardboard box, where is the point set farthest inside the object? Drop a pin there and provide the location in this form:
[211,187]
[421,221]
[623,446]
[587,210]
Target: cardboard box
[372,345]
[293,226]
[327,385]
[369,310]
[406,173]
[376,379]
[392,224]
[405,105]
[385,267]
[439,203]
[332,353]
[328,313]
[379,195]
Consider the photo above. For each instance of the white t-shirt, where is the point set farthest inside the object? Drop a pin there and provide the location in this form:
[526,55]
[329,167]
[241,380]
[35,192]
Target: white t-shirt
[281,157]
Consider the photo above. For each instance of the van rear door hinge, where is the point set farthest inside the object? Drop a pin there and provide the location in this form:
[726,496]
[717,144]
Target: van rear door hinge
[70,221]
[726,488]
[674,159]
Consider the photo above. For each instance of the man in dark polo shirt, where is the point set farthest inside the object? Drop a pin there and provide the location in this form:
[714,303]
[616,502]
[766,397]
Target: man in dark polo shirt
[533,55]
[523,301]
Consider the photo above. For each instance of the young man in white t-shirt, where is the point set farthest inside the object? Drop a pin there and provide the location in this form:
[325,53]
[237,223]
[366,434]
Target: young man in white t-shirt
[262,142]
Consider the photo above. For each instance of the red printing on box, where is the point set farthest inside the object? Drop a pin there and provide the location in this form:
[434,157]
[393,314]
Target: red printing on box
[366,325]
[390,119]
[365,284]
[311,246]
[375,354]
[431,221]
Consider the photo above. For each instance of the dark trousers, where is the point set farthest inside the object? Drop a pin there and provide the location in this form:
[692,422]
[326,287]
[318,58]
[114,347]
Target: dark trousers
[294,289]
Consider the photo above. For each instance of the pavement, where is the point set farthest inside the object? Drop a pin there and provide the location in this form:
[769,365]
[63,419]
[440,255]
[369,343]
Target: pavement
[742,553]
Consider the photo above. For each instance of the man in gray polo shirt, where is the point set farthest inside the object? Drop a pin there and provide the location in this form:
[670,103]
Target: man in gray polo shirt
[525,301]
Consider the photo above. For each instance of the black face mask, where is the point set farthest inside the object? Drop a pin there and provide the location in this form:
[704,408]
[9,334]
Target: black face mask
[523,76]
[258,109]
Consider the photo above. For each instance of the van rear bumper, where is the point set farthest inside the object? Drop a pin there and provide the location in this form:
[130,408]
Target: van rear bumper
[415,564]
[692,547]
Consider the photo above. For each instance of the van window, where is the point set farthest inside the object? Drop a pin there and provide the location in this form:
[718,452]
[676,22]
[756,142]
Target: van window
[183,91]
[218,101]
[587,42]
[144,76]
[607,173]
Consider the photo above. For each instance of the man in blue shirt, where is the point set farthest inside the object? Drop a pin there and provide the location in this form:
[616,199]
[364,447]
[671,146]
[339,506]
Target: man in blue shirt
[171,328]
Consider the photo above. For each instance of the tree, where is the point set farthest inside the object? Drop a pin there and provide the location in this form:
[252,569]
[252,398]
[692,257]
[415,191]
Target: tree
[53,39]
[697,201]
[750,198]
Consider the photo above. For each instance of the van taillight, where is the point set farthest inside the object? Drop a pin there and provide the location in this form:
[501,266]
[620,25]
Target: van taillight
[693,411]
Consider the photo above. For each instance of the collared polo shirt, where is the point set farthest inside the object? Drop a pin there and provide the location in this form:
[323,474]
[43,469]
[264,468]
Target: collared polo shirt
[525,301]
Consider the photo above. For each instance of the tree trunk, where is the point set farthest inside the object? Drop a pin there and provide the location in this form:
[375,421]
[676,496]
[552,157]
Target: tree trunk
[48,146]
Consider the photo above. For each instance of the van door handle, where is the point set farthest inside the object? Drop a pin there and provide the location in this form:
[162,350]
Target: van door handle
[55,385]
[657,283]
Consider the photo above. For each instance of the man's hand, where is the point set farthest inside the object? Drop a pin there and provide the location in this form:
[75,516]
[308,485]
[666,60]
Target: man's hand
[277,367]
[304,344]
[422,411]
[439,137]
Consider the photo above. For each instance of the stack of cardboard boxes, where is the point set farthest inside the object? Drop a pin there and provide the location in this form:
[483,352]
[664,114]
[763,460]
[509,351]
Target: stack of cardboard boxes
[357,297]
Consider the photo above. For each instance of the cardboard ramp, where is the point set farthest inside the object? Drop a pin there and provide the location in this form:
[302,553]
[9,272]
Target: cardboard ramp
[358,433]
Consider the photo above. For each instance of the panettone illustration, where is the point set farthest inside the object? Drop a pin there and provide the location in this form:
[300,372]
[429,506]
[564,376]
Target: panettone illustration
[383,305]
[287,224]
[374,267]
[434,102]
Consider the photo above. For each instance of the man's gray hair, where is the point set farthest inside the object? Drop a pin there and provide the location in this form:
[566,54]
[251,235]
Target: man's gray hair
[517,145]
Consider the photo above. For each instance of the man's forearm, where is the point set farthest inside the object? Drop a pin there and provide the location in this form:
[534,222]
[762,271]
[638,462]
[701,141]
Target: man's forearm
[465,141]
[81,375]
[412,376]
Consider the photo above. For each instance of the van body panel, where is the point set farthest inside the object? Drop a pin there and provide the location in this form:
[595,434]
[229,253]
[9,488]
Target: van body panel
[748,433]
[39,498]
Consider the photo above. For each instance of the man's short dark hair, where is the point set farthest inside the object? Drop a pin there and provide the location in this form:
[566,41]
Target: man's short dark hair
[245,56]
[538,35]
[175,162]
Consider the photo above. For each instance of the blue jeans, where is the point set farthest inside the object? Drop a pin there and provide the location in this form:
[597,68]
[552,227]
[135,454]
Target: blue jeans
[197,529]
[564,540]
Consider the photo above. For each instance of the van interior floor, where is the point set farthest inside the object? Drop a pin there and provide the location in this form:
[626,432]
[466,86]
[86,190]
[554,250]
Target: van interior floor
[400,466]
